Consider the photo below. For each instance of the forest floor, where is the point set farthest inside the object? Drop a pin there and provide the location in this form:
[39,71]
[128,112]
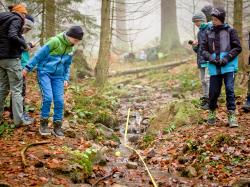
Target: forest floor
[166,127]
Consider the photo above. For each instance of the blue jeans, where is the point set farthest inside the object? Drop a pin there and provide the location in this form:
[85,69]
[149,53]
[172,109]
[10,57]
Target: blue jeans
[215,90]
[52,89]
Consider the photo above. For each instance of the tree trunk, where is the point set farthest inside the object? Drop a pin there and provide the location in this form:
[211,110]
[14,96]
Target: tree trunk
[50,18]
[121,27]
[169,31]
[102,65]
[238,12]
[42,35]
[220,3]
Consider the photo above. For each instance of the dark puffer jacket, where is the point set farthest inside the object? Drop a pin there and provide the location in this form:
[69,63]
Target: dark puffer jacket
[11,41]
[200,36]
[220,42]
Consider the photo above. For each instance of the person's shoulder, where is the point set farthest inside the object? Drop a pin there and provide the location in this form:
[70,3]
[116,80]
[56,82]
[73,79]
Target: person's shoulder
[53,42]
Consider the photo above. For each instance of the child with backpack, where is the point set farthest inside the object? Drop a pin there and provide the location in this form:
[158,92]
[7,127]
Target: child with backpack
[221,47]
[53,62]
[11,46]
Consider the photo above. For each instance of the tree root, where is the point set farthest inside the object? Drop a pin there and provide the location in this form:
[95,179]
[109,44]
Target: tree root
[26,148]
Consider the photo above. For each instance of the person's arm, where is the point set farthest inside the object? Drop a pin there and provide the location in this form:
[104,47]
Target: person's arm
[67,69]
[204,48]
[235,45]
[41,54]
[13,32]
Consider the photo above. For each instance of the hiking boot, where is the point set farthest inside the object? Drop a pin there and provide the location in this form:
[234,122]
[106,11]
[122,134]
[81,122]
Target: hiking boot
[44,129]
[246,106]
[57,131]
[211,117]
[232,120]
[204,103]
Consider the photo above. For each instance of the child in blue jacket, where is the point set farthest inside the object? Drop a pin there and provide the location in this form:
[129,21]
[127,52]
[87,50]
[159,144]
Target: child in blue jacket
[221,48]
[53,62]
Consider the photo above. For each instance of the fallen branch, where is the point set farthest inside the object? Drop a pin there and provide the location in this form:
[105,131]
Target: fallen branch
[149,68]
[105,177]
[26,148]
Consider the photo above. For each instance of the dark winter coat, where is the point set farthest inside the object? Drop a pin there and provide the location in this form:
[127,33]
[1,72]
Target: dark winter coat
[220,42]
[11,41]
[201,62]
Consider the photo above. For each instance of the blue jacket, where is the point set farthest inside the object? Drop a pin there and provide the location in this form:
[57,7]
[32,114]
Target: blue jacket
[221,42]
[54,57]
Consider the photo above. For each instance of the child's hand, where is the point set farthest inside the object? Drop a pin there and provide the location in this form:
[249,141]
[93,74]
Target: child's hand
[25,72]
[195,43]
[66,83]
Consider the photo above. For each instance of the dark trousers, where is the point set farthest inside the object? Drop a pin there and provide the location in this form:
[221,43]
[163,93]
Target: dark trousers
[216,82]
[23,95]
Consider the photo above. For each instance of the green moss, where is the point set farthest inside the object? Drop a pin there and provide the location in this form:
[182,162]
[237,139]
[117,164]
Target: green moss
[176,114]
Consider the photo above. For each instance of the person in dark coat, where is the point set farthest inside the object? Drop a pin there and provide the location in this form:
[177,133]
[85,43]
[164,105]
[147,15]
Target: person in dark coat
[221,48]
[11,46]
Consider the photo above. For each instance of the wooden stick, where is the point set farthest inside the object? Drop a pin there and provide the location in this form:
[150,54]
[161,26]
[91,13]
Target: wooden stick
[105,177]
[26,148]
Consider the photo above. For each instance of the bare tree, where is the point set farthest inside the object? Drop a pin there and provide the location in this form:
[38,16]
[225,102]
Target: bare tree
[121,26]
[50,18]
[169,32]
[102,65]
[220,3]
[238,12]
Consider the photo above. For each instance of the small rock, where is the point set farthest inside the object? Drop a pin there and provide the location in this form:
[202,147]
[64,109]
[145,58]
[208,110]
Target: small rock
[145,122]
[182,160]
[191,171]
[230,150]
[151,153]
[216,157]
[118,185]
[133,138]
[70,133]
[132,165]
[65,125]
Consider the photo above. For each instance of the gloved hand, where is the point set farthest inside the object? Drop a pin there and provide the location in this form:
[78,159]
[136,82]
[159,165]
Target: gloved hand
[214,61]
[223,61]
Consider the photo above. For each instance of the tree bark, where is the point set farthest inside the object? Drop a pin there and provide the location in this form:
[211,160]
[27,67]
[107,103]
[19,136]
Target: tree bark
[121,27]
[238,12]
[102,65]
[42,35]
[50,18]
[169,31]
[219,3]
